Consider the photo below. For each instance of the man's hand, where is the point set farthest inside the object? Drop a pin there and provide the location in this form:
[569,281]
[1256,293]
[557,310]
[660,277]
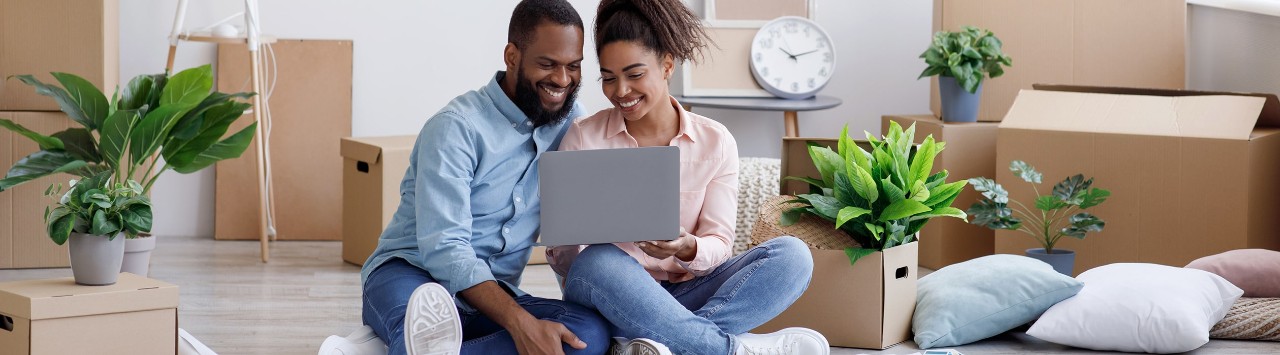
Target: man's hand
[684,247]
[536,337]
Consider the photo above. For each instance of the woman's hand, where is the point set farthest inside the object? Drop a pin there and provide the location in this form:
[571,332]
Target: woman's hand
[684,247]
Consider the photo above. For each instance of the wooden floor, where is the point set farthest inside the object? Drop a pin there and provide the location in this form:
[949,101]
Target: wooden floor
[237,305]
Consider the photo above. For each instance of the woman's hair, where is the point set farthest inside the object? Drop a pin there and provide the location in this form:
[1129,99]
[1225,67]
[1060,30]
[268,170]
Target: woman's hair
[663,26]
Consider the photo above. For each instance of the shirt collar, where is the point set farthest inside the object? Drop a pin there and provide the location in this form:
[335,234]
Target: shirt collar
[504,104]
[617,124]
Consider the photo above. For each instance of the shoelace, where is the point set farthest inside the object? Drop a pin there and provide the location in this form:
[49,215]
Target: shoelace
[788,349]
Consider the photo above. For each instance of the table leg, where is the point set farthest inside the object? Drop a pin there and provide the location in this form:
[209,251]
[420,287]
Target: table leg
[792,123]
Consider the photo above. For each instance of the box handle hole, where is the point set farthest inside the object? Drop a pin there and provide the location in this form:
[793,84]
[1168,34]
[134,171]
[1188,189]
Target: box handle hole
[900,273]
[362,166]
[6,323]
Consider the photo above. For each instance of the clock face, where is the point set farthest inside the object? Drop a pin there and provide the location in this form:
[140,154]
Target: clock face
[792,57]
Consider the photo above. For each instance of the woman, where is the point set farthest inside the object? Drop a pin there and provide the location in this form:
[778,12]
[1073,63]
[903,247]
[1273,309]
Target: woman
[684,295]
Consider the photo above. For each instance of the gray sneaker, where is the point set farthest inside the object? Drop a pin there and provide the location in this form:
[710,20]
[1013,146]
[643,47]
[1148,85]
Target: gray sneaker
[431,322]
[637,346]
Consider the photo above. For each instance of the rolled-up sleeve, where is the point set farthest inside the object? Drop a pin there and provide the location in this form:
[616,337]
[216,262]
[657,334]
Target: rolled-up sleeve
[445,167]
[716,223]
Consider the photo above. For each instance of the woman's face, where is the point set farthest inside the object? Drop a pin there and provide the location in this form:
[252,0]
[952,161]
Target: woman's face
[634,78]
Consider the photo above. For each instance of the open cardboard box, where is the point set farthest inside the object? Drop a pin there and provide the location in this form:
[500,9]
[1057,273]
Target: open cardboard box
[1190,173]
[136,315]
[24,243]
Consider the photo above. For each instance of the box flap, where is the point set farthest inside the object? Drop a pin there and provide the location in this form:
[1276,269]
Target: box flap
[61,298]
[369,149]
[1222,116]
[1269,117]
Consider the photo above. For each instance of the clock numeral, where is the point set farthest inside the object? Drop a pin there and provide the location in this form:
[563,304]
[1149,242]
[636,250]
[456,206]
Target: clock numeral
[807,31]
[764,71]
[775,32]
[791,27]
[822,72]
[759,57]
[777,82]
[826,57]
[795,86]
[822,43]
[766,43]
[812,83]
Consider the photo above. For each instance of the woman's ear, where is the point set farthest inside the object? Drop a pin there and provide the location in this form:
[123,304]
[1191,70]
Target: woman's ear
[511,56]
[668,66]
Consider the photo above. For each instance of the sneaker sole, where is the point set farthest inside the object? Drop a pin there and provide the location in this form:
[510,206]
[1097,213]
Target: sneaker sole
[431,323]
[815,334]
[648,348]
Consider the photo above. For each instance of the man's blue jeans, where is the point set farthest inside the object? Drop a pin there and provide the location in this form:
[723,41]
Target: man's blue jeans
[699,316]
[386,295]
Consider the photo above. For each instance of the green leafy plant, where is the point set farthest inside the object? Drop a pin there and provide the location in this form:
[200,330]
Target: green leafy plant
[1061,213]
[155,124]
[96,206]
[968,55]
[879,198]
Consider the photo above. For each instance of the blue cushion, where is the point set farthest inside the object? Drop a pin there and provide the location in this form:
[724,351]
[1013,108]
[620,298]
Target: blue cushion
[983,297]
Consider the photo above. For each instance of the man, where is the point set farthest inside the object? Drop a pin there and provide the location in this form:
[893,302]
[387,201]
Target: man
[445,274]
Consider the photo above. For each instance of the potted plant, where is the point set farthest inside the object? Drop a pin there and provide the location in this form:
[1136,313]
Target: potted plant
[95,215]
[1061,213]
[157,123]
[880,198]
[961,60]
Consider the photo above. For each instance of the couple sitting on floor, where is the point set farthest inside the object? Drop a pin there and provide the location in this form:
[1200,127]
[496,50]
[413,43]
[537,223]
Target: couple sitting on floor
[444,277]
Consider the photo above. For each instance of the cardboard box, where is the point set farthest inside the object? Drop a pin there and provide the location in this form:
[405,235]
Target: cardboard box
[1081,42]
[81,37]
[865,305]
[23,240]
[372,169]
[970,153]
[137,315]
[796,162]
[311,112]
[1191,174]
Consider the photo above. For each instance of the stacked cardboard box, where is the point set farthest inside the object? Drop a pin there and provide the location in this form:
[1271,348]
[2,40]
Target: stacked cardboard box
[38,37]
[136,315]
[1190,173]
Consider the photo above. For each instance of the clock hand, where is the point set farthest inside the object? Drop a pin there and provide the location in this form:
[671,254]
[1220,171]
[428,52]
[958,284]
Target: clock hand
[792,56]
[797,55]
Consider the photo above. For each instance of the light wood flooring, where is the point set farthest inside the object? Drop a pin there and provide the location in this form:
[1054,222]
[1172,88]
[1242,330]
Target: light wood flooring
[237,305]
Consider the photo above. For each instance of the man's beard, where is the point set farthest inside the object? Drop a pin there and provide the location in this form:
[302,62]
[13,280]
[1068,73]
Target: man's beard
[528,100]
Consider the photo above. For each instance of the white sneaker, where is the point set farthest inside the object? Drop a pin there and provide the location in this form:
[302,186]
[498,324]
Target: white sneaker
[360,342]
[431,322]
[790,341]
[637,346]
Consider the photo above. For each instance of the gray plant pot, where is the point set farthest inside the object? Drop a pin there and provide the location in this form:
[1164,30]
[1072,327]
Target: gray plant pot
[137,255]
[958,105]
[1062,260]
[95,259]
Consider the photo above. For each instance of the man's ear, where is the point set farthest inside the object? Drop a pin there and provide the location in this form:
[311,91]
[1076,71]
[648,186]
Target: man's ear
[668,66]
[511,55]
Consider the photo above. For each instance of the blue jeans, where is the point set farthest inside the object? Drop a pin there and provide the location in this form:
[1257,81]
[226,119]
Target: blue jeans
[386,295]
[699,316]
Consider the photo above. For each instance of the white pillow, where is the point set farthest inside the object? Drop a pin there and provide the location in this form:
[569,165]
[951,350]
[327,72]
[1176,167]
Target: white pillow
[1139,308]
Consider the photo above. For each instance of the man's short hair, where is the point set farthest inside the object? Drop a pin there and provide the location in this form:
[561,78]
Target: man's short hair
[531,13]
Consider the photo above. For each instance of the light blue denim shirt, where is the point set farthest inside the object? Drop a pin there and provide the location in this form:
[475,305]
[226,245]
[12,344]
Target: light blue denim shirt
[469,205]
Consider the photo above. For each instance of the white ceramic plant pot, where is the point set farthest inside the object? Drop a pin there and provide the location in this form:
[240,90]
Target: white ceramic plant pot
[96,259]
[137,255]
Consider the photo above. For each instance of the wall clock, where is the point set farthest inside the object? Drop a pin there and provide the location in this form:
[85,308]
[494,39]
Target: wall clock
[792,57]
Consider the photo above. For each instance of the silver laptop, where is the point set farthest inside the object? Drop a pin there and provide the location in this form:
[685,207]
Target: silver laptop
[610,195]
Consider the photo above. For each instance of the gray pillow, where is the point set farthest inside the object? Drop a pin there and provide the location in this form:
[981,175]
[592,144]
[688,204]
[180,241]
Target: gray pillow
[983,297]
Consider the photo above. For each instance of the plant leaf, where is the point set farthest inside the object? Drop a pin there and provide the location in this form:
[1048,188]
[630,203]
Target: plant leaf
[65,102]
[214,123]
[115,133]
[791,216]
[808,180]
[90,100]
[844,190]
[848,213]
[137,217]
[892,191]
[922,162]
[135,93]
[147,135]
[993,215]
[826,161]
[864,185]
[902,209]
[45,142]
[919,192]
[228,148]
[79,142]
[875,230]
[1025,171]
[1095,196]
[990,189]
[944,194]
[1071,189]
[826,206]
[857,253]
[1082,223]
[40,164]
[102,225]
[188,87]
[1049,203]
[198,119]
[940,212]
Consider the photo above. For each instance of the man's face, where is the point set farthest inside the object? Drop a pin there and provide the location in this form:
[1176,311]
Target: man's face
[548,73]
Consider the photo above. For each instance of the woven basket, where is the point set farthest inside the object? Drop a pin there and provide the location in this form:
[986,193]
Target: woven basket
[817,232]
[1250,319]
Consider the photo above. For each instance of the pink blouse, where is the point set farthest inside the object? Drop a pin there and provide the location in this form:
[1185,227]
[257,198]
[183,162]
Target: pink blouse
[708,188]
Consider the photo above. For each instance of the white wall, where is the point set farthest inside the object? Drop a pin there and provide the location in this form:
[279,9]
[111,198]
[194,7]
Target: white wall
[413,56]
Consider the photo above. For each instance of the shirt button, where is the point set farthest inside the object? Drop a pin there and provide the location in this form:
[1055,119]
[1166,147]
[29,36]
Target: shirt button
[517,199]
[528,123]
[513,124]
[506,230]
